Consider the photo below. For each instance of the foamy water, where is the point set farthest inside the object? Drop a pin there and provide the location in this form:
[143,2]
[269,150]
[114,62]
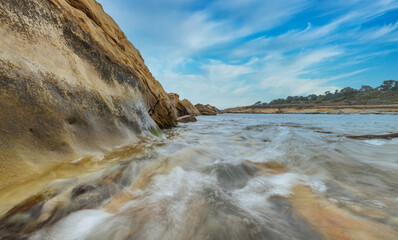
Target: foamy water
[234,176]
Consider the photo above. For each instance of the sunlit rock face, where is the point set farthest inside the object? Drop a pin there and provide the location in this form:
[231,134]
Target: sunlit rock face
[207,109]
[70,83]
[190,107]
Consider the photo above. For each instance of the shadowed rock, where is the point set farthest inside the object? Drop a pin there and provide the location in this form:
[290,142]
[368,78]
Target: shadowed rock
[183,109]
[187,118]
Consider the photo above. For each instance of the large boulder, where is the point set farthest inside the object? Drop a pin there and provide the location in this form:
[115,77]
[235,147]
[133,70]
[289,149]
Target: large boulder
[70,83]
[181,112]
[192,110]
[207,109]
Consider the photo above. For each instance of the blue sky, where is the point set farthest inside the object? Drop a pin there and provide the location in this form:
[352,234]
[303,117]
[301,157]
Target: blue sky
[236,52]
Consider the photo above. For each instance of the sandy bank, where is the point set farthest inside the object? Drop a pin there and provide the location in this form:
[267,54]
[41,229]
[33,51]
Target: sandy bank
[361,109]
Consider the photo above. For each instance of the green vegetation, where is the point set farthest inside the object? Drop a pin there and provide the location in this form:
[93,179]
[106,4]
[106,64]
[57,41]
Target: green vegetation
[156,131]
[386,93]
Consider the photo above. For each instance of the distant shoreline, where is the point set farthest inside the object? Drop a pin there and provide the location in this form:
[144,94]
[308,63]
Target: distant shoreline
[345,109]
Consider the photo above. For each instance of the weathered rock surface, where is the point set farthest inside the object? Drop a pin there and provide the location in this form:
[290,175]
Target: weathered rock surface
[192,110]
[187,118]
[70,83]
[182,109]
[207,109]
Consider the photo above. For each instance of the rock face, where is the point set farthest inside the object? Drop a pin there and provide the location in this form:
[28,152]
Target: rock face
[183,110]
[207,109]
[190,107]
[70,83]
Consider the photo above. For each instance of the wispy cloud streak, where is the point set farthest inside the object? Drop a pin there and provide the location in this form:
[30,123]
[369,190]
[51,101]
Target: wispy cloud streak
[239,51]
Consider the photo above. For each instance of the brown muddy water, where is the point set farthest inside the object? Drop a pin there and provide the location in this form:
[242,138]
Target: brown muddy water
[229,176]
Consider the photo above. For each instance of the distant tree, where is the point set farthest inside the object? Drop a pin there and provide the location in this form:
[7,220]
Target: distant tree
[348,93]
[365,88]
[395,86]
[289,99]
[388,85]
[328,95]
[312,97]
[277,101]
[302,98]
[257,103]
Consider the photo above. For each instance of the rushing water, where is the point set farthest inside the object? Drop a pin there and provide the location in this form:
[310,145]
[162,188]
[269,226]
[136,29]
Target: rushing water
[231,176]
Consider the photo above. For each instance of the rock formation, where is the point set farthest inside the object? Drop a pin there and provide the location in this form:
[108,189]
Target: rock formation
[184,110]
[70,83]
[207,109]
[190,107]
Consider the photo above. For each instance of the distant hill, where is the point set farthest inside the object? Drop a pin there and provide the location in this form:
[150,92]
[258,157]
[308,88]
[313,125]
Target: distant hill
[386,93]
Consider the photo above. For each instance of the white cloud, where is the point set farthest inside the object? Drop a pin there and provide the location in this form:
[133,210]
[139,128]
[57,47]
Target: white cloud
[222,84]
[220,72]
[381,32]
[230,70]
[283,74]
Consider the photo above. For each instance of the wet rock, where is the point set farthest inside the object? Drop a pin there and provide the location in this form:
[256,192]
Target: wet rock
[69,79]
[372,136]
[184,110]
[180,109]
[187,118]
[50,205]
[230,176]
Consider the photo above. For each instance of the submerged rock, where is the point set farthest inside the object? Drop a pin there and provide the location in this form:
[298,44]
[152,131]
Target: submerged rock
[207,109]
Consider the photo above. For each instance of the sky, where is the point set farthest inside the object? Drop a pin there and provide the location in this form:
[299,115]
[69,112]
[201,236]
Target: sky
[237,52]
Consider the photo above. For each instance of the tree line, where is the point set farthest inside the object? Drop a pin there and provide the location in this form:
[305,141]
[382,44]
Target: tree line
[386,93]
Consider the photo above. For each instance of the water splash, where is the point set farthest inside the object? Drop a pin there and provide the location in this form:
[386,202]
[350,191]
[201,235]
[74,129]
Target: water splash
[229,177]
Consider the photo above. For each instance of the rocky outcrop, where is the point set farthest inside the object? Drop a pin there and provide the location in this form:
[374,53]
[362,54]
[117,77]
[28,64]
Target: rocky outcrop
[182,110]
[70,83]
[192,110]
[179,109]
[207,109]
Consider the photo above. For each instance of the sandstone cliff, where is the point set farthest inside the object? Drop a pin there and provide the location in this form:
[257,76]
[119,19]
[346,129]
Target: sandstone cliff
[70,83]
